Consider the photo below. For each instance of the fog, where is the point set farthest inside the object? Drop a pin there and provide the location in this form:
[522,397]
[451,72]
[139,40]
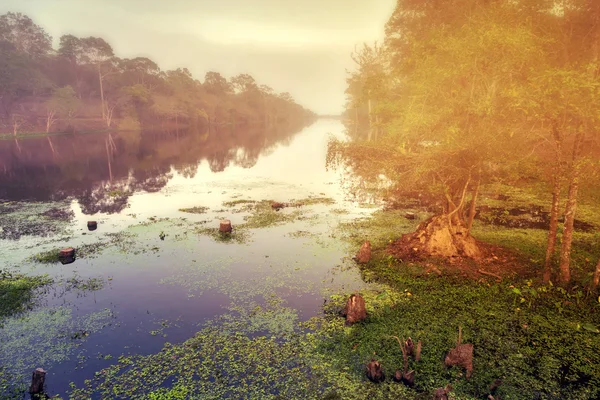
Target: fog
[302,47]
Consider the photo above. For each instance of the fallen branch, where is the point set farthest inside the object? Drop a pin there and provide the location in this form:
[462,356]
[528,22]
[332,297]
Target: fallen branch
[489,274]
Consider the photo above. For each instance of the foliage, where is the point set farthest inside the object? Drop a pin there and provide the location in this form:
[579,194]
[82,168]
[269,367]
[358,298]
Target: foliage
[129,89]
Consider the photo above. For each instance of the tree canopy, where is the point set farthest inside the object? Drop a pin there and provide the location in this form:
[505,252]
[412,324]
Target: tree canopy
[466,92]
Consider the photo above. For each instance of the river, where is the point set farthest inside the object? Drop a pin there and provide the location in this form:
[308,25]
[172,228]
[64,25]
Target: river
[152,273]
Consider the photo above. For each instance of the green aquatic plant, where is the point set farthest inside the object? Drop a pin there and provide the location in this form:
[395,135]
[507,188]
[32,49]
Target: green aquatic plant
[17,292]
[194,210]
[46,336]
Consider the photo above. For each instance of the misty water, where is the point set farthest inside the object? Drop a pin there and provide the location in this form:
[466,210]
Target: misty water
[154,275]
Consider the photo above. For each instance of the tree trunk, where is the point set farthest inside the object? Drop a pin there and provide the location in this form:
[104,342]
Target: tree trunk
[554,209]
[596,279]
[356,121]
[101,93]
[370,120]
[567,237]
[473,207]
[553,227]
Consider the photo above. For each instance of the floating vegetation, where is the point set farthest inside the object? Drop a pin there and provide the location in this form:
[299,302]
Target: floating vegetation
[264,216]
[84,285]
[310,201]
[301,234]
[339,211]
[239,235]
[83,251]
[237,202]
[194,210]
[42,337]
[33,219]
[17,292]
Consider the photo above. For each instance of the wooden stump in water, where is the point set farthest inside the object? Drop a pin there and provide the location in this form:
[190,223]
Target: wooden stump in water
[66,256]
[355,310]
[37,382]
[364,254]
[92,225]
[277,206]
[375,371]
[225,226]
[68,252]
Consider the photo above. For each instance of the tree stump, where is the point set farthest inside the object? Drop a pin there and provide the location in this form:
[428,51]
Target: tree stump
[442,393]
[410,215]
[68,252]
[355,310]
[225,226]
[66,256]
[462,356]
[37,382]
[364,254]
[92,225]
[375,371]
[277,206]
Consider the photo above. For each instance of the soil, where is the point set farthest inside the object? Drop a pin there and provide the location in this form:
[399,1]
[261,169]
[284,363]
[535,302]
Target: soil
[495,262]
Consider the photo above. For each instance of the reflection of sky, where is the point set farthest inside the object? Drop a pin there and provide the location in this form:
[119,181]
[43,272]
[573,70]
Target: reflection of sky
[289,171]
[302,47]
[187,281]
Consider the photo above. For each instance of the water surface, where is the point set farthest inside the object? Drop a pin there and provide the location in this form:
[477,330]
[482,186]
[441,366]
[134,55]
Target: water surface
[156,276]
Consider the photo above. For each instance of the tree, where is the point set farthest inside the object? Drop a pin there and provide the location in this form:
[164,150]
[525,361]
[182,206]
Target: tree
[215,83]
[24,35]
[91,51]
[453,123]
[63,103]
[243,83]
[140,70]
[19,77]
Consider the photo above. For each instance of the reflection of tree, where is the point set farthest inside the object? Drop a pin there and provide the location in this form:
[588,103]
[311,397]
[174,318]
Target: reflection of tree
[219,160]
[104,198]
[102,171]
[187,170]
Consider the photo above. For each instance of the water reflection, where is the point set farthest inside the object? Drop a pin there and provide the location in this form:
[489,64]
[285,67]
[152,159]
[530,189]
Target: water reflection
[103,170]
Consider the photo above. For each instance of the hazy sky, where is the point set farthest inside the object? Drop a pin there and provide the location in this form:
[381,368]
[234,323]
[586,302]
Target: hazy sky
[299,46]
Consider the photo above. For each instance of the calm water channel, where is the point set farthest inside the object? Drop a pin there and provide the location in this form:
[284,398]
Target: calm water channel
[150,273]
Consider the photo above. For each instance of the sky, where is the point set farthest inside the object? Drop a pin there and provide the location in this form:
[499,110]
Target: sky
[297,46]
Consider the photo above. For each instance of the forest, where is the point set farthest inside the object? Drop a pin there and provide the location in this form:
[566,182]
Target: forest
[82,85]
[468,93]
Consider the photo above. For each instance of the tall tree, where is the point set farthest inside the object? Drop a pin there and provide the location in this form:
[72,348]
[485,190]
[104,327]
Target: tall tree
[25,36]
[91,51]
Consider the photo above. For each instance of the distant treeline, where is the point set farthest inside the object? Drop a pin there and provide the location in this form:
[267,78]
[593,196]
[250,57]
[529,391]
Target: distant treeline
[83,85]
